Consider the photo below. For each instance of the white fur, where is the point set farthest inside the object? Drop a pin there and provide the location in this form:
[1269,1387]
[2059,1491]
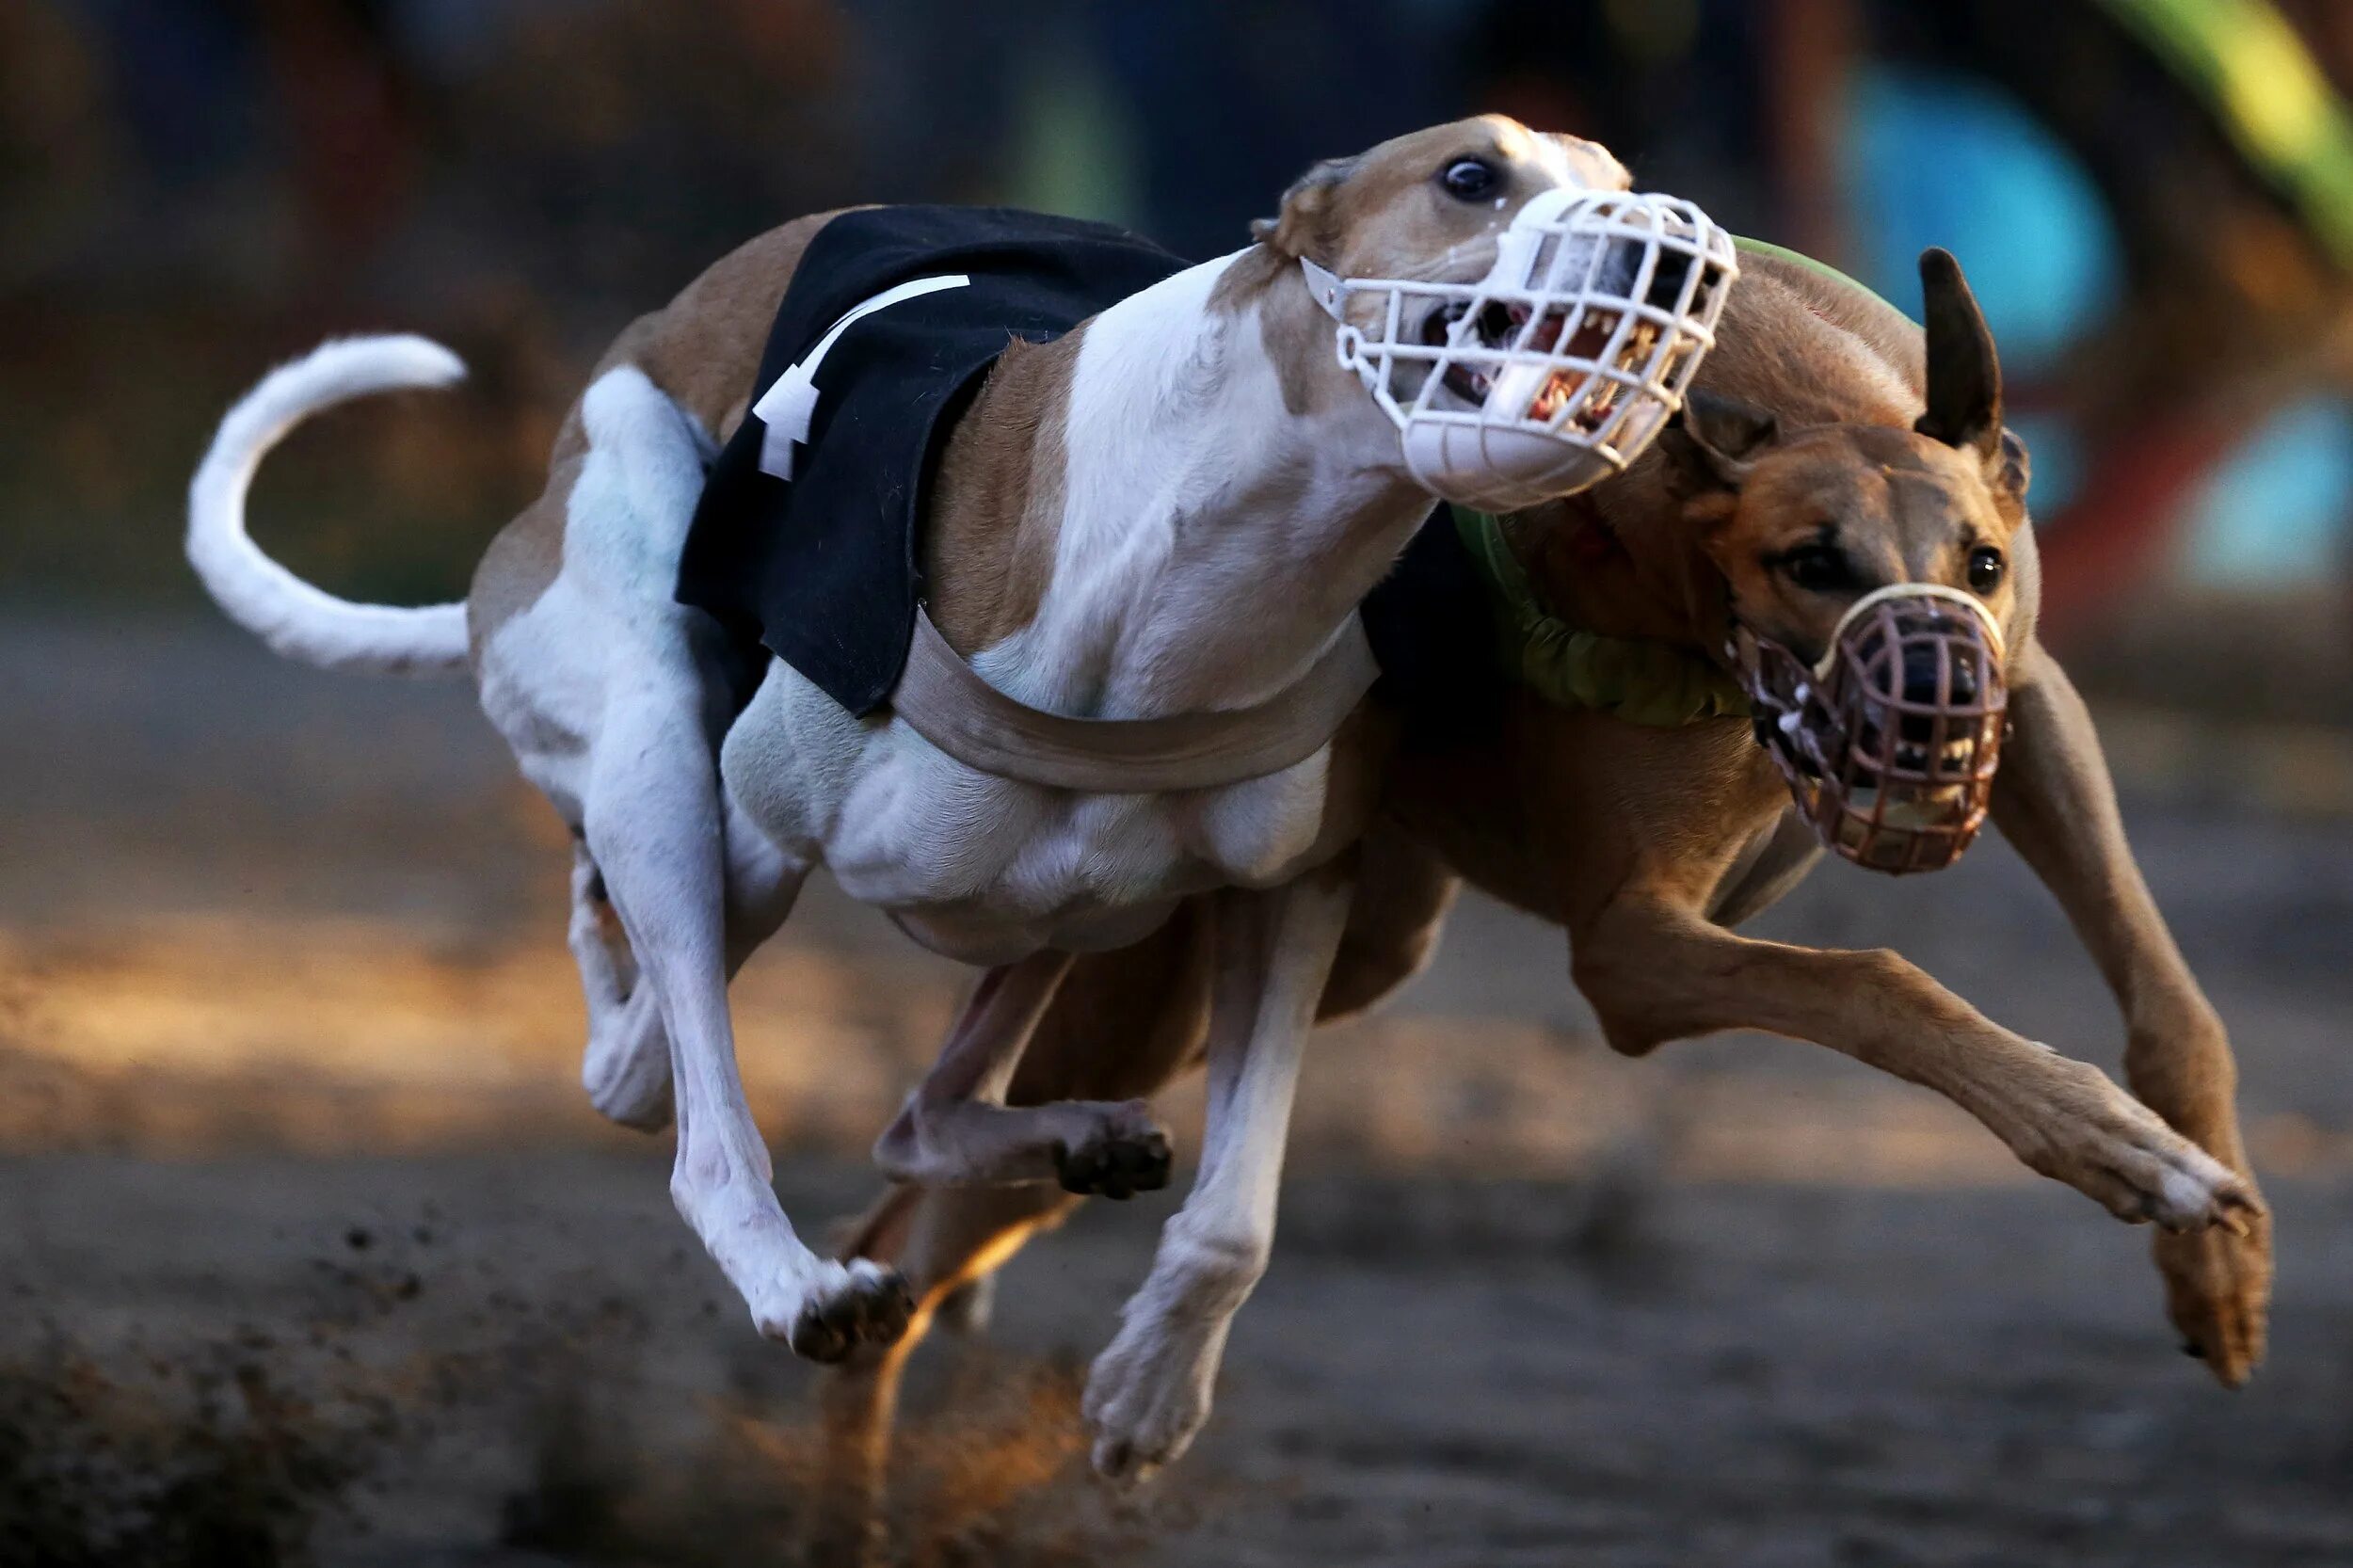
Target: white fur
[1148,1393]
[1199,565]
[596,687]
[292,617]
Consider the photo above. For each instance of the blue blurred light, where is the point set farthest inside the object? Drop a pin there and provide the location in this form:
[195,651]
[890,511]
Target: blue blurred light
[1957,162]
[2273,513]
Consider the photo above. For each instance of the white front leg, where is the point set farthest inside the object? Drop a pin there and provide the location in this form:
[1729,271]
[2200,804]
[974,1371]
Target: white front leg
[1149,1393]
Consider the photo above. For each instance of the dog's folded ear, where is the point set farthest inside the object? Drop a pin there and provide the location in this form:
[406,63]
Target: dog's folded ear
[1714,442]
[1305,227]
[2017,468]
[1965,373]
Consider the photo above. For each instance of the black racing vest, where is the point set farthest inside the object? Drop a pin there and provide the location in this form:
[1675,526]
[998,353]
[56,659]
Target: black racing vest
[824,570]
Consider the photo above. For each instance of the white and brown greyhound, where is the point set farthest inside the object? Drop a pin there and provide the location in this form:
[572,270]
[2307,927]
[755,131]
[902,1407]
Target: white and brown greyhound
[1172,510]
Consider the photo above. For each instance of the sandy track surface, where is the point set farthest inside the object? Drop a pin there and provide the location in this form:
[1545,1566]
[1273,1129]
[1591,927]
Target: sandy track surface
[475,1360]
[311,1251]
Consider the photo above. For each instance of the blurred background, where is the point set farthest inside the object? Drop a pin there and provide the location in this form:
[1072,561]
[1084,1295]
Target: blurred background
[313,1249]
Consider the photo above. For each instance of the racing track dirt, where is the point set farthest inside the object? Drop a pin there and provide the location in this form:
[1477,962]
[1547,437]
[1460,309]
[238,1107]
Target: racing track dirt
[309,1254]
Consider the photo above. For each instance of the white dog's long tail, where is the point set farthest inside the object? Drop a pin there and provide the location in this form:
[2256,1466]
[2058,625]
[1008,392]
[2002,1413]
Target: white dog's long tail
[292,617]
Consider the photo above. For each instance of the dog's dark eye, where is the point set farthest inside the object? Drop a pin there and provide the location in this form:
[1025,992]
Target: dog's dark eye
[1469,179]
[1818,568]
[1986,567]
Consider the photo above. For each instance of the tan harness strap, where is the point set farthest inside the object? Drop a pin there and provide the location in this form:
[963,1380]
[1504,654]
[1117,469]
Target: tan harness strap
[945,700]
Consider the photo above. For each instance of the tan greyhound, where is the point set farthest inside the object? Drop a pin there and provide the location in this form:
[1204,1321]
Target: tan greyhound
[1802,480]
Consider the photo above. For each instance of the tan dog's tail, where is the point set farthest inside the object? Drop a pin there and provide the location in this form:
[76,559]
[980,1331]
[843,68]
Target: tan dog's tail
[293,618]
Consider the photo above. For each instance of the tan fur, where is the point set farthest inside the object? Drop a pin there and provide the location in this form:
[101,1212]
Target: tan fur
[1635,837]
[526,554]
[703,350]
[1326,216]
[997,504]
[1297,333]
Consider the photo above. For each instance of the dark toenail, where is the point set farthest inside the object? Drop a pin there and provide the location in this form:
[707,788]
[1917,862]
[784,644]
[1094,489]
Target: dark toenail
[2193,1349]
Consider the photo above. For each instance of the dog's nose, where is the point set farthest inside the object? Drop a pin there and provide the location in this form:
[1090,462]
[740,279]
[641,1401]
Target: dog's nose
[1666,280]
[1922,684]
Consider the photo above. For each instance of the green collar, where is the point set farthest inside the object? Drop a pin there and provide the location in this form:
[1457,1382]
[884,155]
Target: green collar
[1641,683]
[1748,246]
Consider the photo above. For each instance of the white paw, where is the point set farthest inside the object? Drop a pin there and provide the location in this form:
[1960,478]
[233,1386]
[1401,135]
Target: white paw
[833,1311]
[2123,1154]
[1148,1394]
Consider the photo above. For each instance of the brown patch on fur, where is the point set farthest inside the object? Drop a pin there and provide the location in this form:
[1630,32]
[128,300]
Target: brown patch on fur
[1293,326]
[528,552]
[996,506]
[1384,214]
[1380,213]
[703,350]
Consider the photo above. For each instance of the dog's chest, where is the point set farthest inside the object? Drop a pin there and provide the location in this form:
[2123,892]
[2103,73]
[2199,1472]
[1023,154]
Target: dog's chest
[984,869]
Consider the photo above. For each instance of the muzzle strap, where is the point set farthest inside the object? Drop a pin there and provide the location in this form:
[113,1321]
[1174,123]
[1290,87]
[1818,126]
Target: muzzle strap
[1327,289]
[1863,606]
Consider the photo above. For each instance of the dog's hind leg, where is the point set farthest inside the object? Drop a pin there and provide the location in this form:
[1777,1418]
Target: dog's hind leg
[626,1067]
[656,828]
[956,1129]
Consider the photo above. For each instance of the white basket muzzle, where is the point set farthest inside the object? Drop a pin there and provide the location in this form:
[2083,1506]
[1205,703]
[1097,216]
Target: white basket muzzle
[1556,370]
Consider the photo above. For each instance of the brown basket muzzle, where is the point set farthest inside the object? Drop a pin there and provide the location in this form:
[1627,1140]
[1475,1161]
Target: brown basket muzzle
[1890,742]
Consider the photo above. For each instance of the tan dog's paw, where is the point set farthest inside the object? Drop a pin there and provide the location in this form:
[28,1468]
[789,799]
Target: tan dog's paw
[2119,1154]
[2218,1291]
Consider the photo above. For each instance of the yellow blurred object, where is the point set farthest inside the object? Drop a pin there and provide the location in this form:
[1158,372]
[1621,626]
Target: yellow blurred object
[2269,95]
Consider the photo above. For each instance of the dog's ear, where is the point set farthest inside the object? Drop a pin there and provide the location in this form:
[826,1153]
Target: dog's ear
[1965,373]
[2015,470]
[1303,227]
[1714,442]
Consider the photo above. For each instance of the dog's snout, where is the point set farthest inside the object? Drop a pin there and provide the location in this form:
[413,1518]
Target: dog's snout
[1622,272]
[1667,280]
[1926,681]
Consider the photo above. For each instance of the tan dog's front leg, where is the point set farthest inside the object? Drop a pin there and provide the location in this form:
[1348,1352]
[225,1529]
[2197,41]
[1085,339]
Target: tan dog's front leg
[2053,801]
[1657,972]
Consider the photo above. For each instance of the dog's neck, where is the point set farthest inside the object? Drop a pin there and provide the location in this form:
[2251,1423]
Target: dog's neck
[1628,558]
[1227,495]
[1625,560]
